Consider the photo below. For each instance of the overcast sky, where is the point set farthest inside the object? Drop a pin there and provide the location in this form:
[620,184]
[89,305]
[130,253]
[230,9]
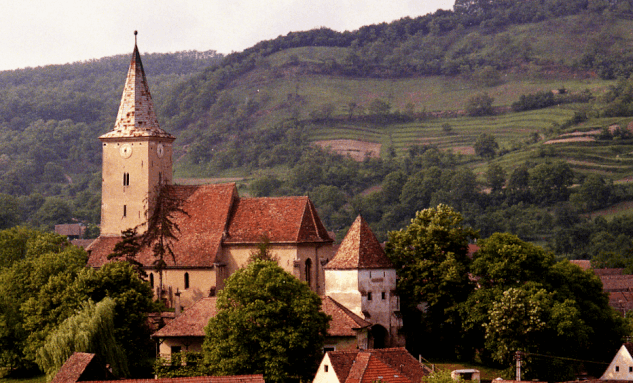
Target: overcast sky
[41,32]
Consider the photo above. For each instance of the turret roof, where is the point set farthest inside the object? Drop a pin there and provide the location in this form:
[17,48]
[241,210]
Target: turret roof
[136,117]
[360,249]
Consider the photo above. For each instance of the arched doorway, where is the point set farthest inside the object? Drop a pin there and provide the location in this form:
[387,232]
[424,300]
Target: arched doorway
[379,336]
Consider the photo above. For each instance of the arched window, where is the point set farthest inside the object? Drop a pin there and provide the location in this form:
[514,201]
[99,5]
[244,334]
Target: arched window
[186,280]
[308,271]
[151,280]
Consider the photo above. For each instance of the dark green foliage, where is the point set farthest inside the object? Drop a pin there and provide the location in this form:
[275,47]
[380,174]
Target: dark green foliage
[268,322]
[48,282]
[565,311]
[432,263]
[486,146]
[179,365]
[480,105]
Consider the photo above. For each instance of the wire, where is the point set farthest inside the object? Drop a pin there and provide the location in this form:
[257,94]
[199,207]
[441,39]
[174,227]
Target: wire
[561,357]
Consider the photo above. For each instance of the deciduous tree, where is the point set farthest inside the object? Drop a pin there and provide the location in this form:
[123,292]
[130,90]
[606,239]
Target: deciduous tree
[269,323]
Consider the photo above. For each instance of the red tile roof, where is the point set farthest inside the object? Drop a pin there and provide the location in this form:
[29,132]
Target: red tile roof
[360,250]
[199,379]
[617,283]
[344,322]
[217,216]
[201,229]
[582,263]
[81,366]
[388,365]
[281,219]
[191,322]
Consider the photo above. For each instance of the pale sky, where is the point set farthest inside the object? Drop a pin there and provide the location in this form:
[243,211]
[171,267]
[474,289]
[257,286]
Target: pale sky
[41,32]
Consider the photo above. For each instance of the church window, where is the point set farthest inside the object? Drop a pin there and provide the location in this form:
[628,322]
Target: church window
[125,210]
[126,179]
[383,295]
[151,280]
[369,296]
[308,271]
[186,280]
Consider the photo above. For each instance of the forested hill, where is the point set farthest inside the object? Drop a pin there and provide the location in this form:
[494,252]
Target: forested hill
[472,107]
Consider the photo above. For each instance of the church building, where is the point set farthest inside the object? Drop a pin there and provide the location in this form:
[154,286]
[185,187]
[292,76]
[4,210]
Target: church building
[219,230]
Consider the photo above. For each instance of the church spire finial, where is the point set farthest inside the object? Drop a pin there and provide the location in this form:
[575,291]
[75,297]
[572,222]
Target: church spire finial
[135,33]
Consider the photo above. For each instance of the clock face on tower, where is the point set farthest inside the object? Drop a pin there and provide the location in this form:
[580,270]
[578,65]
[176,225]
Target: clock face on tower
[160,150]
[125,150]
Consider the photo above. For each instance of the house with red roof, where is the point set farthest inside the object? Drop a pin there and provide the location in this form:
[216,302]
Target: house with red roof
[218,229]
[389,365]
[361,278]
[347,330]
[84,367]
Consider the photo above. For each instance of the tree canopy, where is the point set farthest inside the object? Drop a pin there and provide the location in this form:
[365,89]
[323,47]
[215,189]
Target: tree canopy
[268,322]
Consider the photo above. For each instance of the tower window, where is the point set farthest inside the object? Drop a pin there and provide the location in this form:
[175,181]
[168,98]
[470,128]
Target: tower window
[151,280]
[369,296]
[186,280]
[125,210]
[126,179]
[308,271]
[383,295]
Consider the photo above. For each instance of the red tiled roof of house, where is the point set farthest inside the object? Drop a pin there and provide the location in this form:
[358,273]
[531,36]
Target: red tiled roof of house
[216,215]
[388,365]
[201,229]
[360,250]
[343,322]
[70,229]
[614,283]
[191,322]
[607,271]
[197,379]
[582,263]
[81,366]
[281,219]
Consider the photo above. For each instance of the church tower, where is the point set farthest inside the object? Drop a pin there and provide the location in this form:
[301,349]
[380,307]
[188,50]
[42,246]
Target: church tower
[137,157]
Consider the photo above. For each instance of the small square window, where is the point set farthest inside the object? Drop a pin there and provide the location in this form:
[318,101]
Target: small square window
[630,369]
[325,368]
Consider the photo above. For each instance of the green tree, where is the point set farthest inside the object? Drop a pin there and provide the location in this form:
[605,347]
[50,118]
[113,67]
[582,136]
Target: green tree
[480,105]
[269,323]
[90,330]
[550,182]
[431,259]
[486,146]
[495,177]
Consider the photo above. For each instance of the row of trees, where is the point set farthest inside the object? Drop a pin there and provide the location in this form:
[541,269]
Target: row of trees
[512,296]
[52,305]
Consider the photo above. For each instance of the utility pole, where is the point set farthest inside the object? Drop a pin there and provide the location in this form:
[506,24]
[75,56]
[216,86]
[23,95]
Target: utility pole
[517,357]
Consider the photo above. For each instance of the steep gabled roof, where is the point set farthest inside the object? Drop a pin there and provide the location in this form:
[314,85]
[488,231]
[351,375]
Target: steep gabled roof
[136,116]
[281,219]
[392,365]
[360,249]
[81,366]
[344,322]
[191,322]
[201,229]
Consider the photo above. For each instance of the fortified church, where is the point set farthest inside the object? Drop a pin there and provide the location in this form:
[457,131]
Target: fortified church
[220,229]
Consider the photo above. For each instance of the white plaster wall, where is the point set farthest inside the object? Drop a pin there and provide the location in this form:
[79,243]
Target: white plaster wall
[343,287]
[323,376]
[623,363]
[377,282]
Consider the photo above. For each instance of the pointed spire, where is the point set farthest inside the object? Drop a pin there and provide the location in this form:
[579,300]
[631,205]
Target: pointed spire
[360,249]
[136,117]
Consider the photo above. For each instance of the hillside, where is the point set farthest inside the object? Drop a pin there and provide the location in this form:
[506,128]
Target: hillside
[417,93]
